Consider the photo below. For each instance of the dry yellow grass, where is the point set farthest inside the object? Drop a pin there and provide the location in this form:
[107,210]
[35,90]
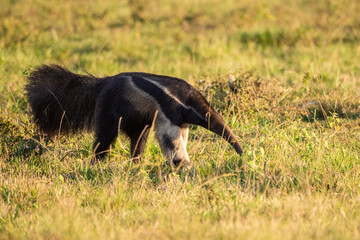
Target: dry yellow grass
[284,74]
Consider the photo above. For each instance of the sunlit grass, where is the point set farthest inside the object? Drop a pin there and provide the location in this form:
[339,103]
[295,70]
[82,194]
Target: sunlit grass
[284,74]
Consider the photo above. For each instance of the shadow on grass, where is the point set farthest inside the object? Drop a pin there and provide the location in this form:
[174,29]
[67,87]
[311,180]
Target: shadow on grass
[325,109]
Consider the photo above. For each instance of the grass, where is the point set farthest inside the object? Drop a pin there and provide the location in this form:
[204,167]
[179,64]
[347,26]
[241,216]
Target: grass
[285,75]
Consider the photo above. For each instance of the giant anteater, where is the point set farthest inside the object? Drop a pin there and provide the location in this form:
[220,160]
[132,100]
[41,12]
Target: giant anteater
[65,102]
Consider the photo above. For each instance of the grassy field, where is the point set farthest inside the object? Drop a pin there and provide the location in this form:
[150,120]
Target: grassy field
[284,74]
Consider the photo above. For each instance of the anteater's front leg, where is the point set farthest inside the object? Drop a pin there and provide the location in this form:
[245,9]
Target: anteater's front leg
[173,140]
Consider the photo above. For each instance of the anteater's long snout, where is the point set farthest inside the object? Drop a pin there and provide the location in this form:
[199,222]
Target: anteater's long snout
[217,125]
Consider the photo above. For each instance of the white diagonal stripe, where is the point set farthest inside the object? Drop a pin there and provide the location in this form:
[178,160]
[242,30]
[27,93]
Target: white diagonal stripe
[167,92]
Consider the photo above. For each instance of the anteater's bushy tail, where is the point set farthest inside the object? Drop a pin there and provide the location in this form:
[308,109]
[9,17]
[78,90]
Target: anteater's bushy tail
[61,101]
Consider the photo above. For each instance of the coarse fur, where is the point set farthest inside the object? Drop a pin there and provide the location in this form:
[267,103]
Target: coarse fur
[63,102]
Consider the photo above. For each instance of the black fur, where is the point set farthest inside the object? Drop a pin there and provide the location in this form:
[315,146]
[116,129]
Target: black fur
[64,102]
[53,91]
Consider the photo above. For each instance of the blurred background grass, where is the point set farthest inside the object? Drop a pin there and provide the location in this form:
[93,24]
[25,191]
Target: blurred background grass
[284,74]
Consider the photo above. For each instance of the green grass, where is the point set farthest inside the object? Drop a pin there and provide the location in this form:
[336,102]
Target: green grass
[284,74]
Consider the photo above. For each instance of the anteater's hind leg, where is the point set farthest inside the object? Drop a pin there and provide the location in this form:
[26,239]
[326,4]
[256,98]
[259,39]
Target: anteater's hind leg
[106,131]
[138,143]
